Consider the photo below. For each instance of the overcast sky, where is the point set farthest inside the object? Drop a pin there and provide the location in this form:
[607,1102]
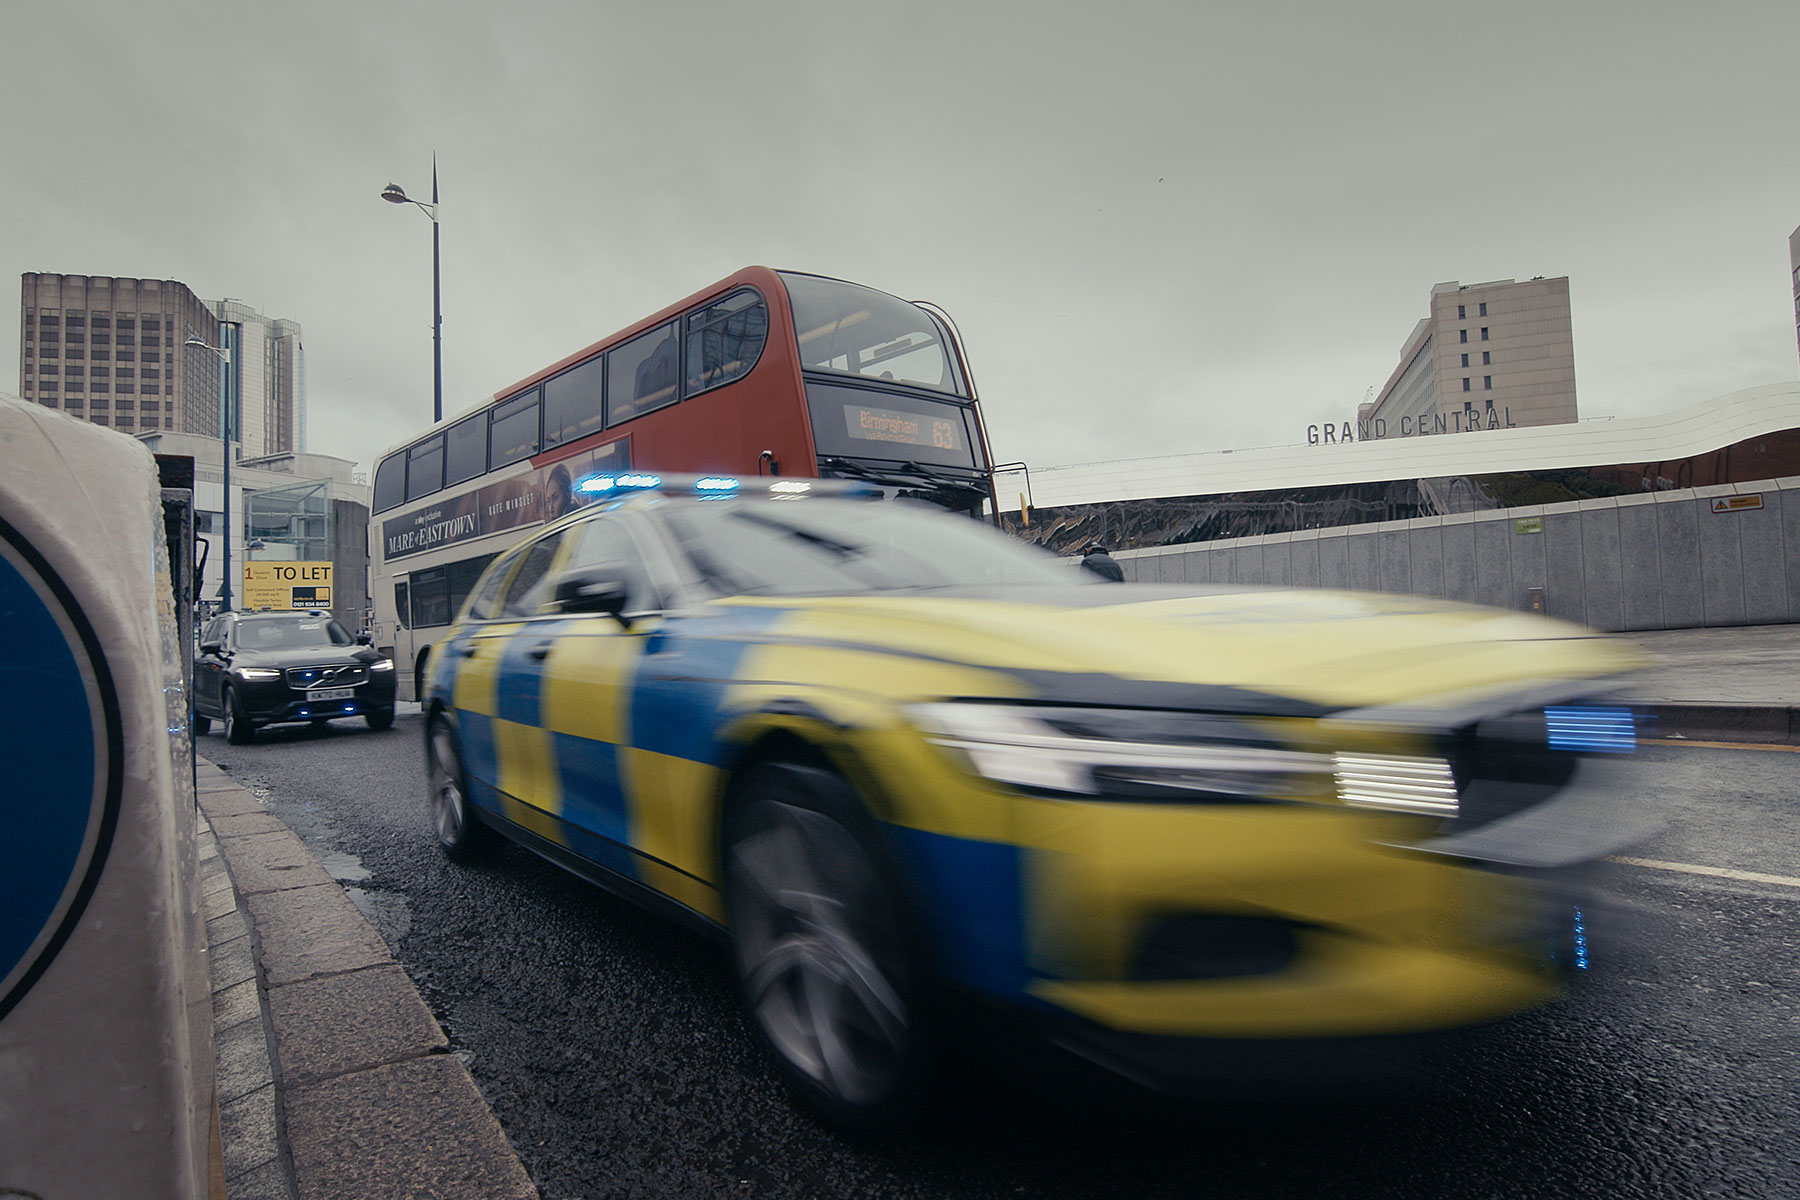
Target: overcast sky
[1163,228]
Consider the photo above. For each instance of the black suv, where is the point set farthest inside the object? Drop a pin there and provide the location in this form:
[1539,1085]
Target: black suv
[264,668]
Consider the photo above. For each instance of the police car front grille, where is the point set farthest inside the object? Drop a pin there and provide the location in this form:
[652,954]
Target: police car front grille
[306,678]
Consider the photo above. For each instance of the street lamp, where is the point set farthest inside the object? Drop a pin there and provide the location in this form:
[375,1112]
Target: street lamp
[200,343]
[393,193]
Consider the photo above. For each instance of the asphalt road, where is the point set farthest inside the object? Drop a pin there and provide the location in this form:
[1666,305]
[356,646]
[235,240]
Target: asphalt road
[610,1047]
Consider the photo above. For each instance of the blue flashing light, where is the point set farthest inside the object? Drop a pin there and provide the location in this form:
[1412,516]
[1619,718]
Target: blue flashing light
[349,708]
[1581,941]
[593,485]
[305,713]
[716,483]
[1595,730]
[636,480]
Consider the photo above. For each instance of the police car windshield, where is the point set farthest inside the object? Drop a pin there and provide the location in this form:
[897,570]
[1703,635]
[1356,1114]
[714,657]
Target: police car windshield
[816,546]
[291,633]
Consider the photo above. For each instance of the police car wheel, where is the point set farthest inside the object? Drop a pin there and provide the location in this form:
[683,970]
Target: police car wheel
[379,718]
[238,729]
[460,836]
[824,951]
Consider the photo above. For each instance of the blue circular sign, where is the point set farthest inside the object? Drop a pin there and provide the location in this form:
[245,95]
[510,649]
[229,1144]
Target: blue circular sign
[60,738]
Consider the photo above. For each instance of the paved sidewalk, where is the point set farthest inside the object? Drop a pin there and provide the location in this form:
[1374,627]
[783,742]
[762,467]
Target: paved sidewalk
[334,1079]
[1739,684]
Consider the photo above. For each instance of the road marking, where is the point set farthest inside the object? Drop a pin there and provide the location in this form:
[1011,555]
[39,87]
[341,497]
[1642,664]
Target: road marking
[1721,872]
[1681,741]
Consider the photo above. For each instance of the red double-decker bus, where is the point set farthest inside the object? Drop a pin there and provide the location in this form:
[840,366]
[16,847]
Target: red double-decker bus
[763,373]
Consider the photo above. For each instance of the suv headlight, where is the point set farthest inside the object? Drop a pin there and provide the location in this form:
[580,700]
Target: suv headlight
[258,673]
[382,664]
[1148,755]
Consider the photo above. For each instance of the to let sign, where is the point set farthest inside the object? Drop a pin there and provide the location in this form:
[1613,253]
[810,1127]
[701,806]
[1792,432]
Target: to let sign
[287,585]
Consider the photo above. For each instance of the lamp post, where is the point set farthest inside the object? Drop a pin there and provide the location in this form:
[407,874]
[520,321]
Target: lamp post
[393,193]
[200,343]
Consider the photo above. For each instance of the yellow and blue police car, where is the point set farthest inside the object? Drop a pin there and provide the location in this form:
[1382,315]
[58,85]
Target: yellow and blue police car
[893,754]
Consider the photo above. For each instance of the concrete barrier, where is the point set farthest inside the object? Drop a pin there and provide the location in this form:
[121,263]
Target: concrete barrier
[106,1073]
[1715,556]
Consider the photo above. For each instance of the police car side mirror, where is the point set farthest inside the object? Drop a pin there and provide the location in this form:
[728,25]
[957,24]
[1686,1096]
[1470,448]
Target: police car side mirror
[212,647]
[592,590]
[365,639]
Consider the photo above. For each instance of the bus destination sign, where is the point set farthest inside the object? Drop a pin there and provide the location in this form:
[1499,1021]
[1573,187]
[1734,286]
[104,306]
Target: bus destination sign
[886,425]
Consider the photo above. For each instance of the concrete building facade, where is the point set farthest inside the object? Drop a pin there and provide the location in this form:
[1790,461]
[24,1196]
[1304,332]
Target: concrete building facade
[109,351]
[112,351]
[1497,355]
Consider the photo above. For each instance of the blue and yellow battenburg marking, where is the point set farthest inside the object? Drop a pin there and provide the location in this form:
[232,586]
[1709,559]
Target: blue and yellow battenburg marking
[603,741]
[612,743]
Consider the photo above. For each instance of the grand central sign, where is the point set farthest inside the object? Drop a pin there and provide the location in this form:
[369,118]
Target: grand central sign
[1424,425]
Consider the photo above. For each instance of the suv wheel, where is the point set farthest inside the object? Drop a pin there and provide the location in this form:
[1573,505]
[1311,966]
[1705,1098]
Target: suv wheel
[238,729]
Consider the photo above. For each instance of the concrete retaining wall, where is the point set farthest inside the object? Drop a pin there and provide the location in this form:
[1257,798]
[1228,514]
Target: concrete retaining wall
[1726,555]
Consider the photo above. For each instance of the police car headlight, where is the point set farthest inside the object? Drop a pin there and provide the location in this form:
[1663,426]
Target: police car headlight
[382,664]
[1125,754]
[258,673]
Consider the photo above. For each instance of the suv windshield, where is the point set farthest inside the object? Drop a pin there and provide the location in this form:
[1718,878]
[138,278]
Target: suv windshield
[291,633]
[814,547]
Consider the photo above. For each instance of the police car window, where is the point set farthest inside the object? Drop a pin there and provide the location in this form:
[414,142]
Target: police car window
[530,585]
[605,543]
[486,606]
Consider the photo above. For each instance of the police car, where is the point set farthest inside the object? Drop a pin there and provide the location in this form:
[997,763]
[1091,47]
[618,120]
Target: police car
[892,754]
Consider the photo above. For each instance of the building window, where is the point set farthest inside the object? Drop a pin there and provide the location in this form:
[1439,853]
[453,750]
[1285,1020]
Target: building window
[1484,330]
[1462,311]
[1465,383]
[1487,383]
[1465,360]
[1487,356]
[1468,406]
[1484,308]
[1490,404]
[1462,335]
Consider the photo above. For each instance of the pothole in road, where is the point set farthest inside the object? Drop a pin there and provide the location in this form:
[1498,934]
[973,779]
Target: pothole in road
[388,912]
[343,867]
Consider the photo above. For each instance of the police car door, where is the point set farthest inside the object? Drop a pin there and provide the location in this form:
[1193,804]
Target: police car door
[513,646]
[587,682]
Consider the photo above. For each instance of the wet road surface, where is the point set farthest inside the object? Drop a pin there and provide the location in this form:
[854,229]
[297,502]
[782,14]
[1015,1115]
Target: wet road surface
[610,1047]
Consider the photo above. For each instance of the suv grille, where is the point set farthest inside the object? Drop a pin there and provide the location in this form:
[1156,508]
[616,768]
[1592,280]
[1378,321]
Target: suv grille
[345,675]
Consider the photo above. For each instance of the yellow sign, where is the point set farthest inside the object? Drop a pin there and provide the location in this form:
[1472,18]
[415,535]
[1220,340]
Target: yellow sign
[287,585]
[1725,504]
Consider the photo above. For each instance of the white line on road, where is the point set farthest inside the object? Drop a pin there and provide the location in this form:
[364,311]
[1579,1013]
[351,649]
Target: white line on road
[1721,872]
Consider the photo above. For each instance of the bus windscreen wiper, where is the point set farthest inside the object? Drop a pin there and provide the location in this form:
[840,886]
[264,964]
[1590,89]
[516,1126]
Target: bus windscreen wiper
[900,472]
